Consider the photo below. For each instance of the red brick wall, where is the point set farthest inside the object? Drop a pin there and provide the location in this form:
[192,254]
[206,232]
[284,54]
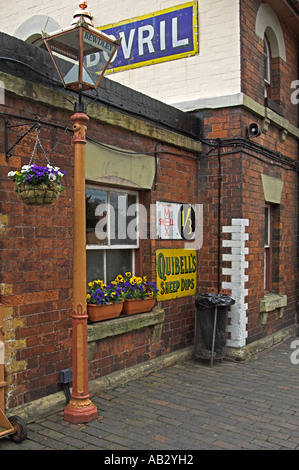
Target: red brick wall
[122,351]
[242,197]
[242,163]
[255,163]
[176,182]
[285,261]
[36,265]
[218,124]
[36,261]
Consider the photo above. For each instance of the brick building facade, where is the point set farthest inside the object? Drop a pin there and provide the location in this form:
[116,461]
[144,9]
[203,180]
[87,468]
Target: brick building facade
[246,185]
[36,242]
[259,172]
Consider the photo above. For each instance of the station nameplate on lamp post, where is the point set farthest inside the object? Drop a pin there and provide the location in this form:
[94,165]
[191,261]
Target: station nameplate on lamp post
[176,272]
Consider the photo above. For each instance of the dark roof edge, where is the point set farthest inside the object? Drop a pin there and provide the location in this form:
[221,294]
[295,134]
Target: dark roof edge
[23,60]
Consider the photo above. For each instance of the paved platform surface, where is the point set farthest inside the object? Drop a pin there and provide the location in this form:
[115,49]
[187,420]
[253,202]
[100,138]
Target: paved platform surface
[190,406]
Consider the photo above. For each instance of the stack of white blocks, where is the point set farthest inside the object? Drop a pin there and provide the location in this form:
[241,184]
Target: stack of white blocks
[237,314]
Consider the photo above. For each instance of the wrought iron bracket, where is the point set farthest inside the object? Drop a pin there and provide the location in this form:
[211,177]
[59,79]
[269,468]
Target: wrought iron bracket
[7,126]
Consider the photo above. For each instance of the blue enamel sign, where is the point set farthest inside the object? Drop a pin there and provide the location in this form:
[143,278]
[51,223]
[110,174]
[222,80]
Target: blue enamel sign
[158,37]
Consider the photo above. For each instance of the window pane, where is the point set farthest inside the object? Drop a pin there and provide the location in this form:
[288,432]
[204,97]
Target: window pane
[95,201]
[94,265]
[123,225]
[267,58]
[267,227]
[118,262]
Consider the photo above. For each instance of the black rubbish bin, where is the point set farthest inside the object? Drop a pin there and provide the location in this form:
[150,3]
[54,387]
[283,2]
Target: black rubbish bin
[211,326]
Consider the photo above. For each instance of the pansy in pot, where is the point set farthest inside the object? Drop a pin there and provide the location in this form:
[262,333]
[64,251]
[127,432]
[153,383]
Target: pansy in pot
[136,287]
[99,293]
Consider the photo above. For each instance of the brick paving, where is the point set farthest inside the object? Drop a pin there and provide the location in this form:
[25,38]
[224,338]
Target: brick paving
[190,406]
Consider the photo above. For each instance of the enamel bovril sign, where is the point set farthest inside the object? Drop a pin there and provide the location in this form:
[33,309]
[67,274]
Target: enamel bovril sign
[176,273]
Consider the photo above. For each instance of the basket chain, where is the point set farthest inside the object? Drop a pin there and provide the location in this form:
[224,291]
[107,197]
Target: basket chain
[38,143]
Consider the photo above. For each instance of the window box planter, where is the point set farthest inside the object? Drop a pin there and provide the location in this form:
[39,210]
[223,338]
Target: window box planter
[135,294]
[133,306]
[104,312]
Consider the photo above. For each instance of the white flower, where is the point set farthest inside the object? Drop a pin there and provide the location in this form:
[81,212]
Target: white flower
[11,173]
[25,168]
[55,168]
[52,177]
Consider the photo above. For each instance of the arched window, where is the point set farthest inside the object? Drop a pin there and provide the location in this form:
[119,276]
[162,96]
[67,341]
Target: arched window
[268,28]
[30,30]
[267,67]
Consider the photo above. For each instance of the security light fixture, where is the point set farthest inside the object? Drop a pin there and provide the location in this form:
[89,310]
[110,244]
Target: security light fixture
[253,130]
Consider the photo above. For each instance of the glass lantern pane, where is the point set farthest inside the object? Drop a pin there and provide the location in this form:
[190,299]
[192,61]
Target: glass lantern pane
[97,52]
[65,51]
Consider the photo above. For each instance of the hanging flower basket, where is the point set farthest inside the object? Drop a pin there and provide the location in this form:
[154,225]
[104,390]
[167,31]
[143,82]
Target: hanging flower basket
[38,185]
[37,196]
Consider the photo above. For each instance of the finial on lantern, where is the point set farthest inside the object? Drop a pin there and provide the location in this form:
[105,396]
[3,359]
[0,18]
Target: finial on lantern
[84,13]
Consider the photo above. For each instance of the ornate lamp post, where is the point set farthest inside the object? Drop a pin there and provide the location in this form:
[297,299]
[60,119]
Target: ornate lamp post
[75,51]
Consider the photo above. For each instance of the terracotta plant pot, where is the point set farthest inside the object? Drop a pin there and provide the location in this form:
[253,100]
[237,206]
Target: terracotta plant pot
[132,306]
[37,196]
[104,312]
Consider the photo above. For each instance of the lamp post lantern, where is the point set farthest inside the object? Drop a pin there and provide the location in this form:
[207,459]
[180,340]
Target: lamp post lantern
[81,55]
[80,52]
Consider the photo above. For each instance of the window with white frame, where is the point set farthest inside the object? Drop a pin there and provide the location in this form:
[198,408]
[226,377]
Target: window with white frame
[268,249]
[111,232]
[268,28]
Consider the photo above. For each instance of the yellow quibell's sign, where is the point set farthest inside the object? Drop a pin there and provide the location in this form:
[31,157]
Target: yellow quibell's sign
[176,272]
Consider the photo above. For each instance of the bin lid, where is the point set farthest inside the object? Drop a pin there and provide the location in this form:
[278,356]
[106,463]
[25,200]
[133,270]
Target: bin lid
[213,300]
